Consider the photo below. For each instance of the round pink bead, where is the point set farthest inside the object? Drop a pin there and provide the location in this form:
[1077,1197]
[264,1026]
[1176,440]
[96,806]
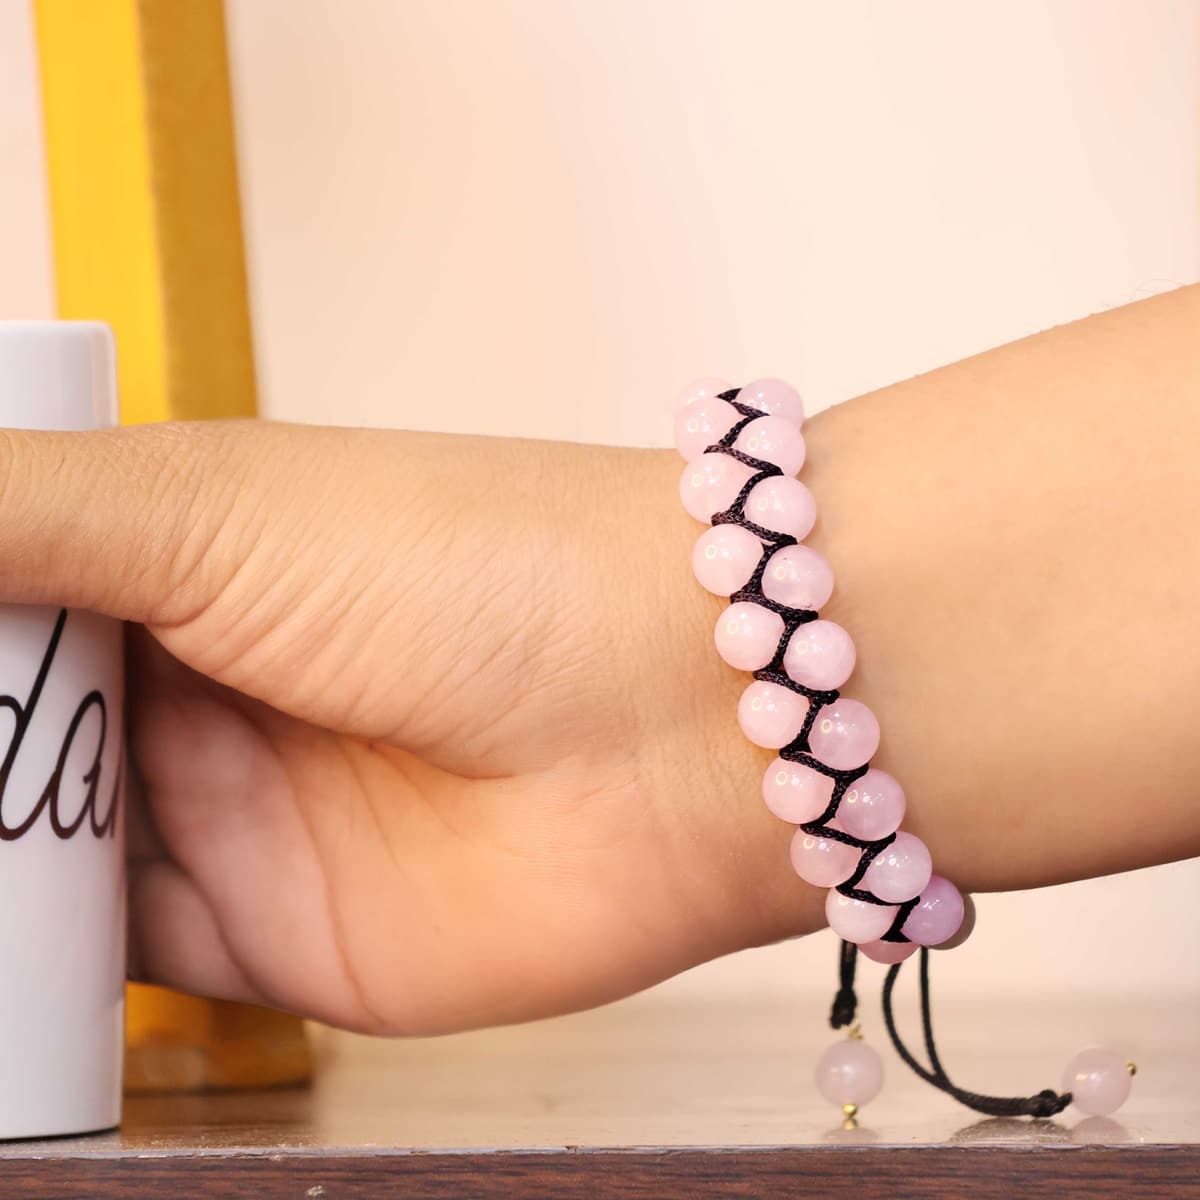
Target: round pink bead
[771,715]
[900,871]
[794,792]
[724,558]
[872,806]
[710,484]
[888,952]
[1098,1080]
[857,920]
[937,916]
[774,440]
[701,424]
[964,930]
[822,861]
[799,577]
[783,505]
[819,655]
[706,388]
[776,397]
[845,734]
[747,635]
[849,1072]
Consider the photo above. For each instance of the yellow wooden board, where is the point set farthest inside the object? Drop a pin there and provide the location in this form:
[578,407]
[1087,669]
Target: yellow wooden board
[144,199]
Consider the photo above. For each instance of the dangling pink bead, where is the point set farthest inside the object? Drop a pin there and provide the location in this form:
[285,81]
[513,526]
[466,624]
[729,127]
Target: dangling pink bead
[724,558]
[857,921]
[783,505]
[799,577]
[747,635]
[703,423]
[938,914]
[964,930]
[822,861]
[819,655]
[845,734]
[770,715]
[872,806]
[774,440]
[794,792]
[776,397]
[711,484]
[701,389]
[899,871]
[849,1072]
[889,953]
[1099,1081]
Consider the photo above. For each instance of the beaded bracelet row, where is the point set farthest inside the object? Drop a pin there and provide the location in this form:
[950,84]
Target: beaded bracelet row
[744,448]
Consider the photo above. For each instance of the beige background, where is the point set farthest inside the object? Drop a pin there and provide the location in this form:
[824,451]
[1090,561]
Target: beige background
[540,218]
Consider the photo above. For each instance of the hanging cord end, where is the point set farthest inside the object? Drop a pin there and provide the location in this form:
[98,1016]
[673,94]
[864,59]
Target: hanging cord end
[1046,1103]
[845,1003]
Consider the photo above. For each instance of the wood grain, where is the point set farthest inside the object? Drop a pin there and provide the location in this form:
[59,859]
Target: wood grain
[1159,1173]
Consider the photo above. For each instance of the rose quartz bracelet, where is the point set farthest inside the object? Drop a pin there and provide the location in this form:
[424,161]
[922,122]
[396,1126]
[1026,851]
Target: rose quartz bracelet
[743,449]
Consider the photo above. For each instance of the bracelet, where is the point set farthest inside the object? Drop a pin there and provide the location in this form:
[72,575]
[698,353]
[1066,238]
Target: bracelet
[743,448]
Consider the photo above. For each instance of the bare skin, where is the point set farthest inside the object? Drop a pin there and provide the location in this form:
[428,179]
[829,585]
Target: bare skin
[430,733]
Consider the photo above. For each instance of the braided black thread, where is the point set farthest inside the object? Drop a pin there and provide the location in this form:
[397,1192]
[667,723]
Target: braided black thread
[1046,1103]
[797,750]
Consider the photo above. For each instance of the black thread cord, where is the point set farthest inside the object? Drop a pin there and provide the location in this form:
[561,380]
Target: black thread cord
[1046,1103]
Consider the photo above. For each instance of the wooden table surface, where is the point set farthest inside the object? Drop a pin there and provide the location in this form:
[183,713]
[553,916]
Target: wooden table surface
[657,1099]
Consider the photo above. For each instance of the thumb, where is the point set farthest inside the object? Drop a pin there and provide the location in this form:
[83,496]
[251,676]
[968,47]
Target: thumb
[130,522]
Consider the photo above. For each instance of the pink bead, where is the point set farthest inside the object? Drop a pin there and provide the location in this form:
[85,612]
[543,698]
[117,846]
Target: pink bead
[774,440]
[845,734]
[724,558]
[794,792]
[1098,1080]
[822,861]
[819,655]
[774,396]
[857,921]
[703,423]
[783,505]
[770,715]
[849,1072]
[747,635]
[888,952]
[872,806]
[711,484]
[937,916]
[701,389]
[799,577]
[900,871]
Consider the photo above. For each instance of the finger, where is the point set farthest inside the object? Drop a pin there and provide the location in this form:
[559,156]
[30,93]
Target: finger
[126,522]
[175,940]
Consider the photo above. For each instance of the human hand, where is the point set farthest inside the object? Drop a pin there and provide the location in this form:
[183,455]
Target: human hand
[422,725]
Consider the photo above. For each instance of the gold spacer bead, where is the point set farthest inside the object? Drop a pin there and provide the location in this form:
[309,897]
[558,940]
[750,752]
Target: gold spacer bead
[1131,1067]
[850,1111]
[854,1033]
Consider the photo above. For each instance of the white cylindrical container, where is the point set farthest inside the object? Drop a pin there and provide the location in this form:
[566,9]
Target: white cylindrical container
[62,862]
